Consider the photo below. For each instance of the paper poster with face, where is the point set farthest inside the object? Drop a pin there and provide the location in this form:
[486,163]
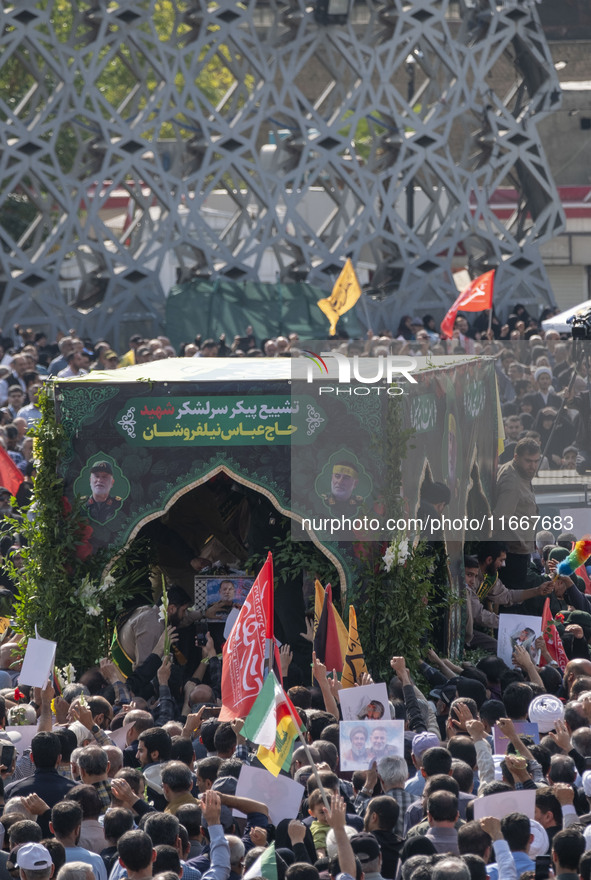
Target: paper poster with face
[363,742]
[518,629]
[366,703]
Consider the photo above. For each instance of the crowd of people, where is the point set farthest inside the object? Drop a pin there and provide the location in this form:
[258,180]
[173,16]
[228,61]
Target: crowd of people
[130,772]
[135,775]
[542,378]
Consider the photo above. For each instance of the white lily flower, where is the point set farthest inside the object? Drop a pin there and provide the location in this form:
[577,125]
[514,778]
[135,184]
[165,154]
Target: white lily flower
[389,558]
[108,582]
[403,550]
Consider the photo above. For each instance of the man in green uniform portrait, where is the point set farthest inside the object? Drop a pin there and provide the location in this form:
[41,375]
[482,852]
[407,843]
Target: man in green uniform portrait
[101,505]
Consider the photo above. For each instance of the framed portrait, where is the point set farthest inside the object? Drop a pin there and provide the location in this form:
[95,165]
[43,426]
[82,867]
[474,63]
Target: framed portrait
[230,589]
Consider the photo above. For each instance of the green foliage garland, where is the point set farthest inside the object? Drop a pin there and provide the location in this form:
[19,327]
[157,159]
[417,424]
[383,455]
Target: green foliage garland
[61,587]
[291,558]
[395,595]
[394,607]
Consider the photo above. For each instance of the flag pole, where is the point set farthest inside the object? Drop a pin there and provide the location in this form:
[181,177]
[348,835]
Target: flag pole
[309,756]
[270,622]
[270,654]
[490,311]
[365,309]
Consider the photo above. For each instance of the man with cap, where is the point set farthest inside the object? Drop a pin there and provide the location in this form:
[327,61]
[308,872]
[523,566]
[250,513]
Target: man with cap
[343,483]
[369,853]
[111,359]
[34,862]
[420,743]
[101,505]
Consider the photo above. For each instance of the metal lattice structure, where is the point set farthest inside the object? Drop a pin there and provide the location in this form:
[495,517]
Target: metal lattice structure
[392,134]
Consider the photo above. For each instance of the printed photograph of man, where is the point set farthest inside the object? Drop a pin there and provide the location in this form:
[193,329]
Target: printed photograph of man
[342,497]
[356,756]
[101,505]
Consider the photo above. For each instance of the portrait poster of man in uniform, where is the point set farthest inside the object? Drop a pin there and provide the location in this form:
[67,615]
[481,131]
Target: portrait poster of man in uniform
[343,485]
[102,504]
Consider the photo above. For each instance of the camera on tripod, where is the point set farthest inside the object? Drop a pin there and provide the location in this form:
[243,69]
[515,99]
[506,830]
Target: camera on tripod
[580,326]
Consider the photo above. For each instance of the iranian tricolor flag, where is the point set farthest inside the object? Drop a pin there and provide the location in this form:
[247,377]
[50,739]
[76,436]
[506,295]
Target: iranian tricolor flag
[265,866]
[273,724]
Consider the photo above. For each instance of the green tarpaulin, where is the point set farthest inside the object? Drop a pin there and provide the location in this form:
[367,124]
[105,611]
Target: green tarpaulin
[223,306]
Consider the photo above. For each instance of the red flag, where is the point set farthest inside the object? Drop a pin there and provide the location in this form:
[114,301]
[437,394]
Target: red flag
[327,644]
[477,297]
[552,639]
[244,651]
[10,476]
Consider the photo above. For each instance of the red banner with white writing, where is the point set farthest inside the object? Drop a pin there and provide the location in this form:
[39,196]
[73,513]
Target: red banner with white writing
[477,297]
[243,653]
[552,639]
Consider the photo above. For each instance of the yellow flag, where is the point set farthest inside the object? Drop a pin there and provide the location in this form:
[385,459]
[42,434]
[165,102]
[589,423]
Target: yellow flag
[318,602]
[277,759]
[345,294]
[354,664]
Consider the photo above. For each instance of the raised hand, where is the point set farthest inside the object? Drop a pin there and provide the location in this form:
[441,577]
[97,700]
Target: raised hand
[285,658]
[211,807]
[296,831]
[337,814]
[163,674]
[258,836]
[309,634]
[562,736]
[318,668]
